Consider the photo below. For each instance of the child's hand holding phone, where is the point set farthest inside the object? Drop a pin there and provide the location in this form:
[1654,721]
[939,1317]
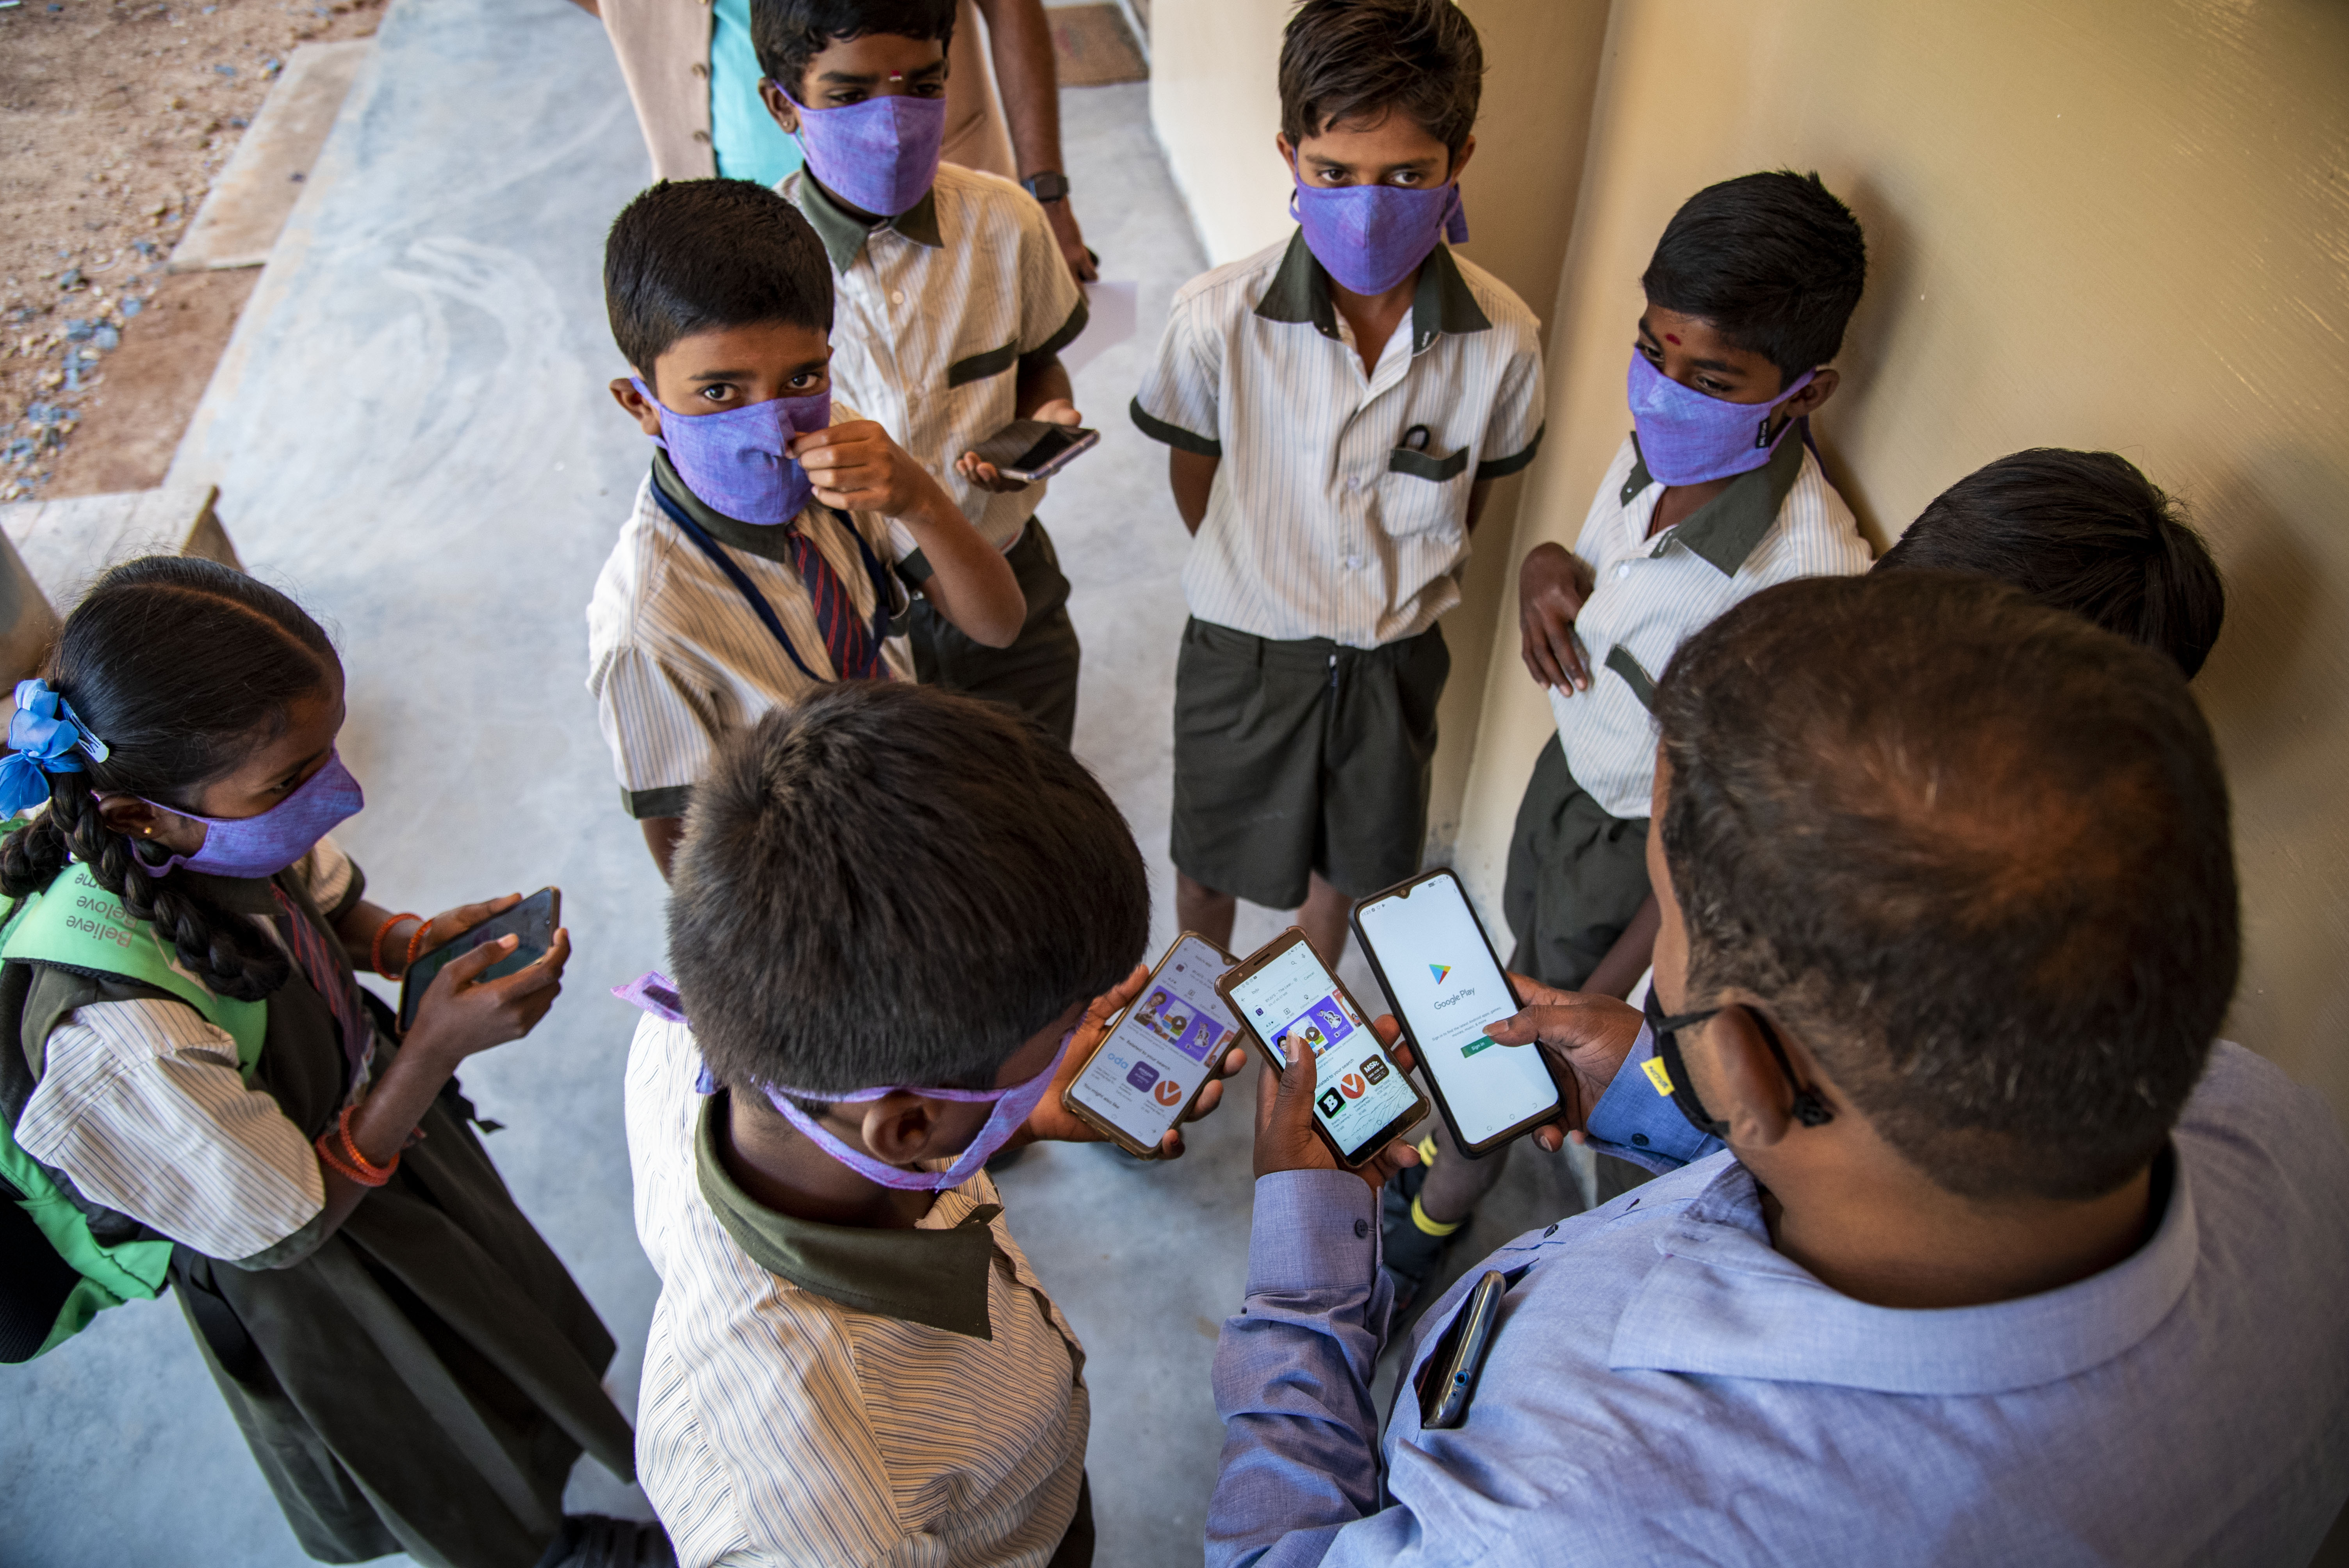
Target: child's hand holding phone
[1052,1120]
[460,1014]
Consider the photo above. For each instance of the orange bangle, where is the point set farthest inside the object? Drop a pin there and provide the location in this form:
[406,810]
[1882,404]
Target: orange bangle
[375,948]
[325,1145]
[413,943]
[357,1166]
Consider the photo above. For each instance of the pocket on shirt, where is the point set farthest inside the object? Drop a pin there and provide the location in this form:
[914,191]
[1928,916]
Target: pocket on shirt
[1424,493]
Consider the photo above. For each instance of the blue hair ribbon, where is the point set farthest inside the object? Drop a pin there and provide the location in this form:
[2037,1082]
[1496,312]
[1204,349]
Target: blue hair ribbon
[44,734]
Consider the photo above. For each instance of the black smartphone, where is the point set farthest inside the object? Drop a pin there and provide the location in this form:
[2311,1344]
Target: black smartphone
[1446,1380]
[1438,969]
[1032,450]
[535,920]
[1159,1053]
[1283,991]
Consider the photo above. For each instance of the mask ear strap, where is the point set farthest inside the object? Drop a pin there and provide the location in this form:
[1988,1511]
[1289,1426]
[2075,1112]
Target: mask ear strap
[1808,1107]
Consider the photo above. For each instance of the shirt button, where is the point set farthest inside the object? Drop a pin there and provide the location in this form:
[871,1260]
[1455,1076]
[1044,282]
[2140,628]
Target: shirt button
[1361,1228]
[1622,569]
[1641,1139]
[897,296]
[1353,563]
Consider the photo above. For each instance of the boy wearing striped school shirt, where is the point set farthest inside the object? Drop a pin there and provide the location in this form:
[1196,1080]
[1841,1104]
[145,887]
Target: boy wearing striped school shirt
[895,915]
[1338,409]
[751,567]
[1713,496]
[955,301]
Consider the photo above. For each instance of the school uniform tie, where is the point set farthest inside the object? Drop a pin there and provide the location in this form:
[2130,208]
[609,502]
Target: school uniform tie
[855,652]
[329,970]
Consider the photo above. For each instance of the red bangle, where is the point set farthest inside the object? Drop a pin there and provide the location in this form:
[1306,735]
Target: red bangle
[413,943]
[349,1160]
[375,948]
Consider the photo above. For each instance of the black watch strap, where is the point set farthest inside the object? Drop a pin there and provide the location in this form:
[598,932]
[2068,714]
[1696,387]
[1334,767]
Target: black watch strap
[1051,185]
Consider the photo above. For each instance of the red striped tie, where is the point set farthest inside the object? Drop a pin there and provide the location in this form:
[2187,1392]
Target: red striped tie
[329,970]
[855,654]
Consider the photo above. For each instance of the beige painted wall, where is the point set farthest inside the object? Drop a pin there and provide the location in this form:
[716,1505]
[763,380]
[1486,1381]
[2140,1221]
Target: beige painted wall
[1214,103]
[2105,224]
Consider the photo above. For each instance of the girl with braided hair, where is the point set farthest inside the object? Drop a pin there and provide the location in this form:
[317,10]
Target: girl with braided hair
[410,1362]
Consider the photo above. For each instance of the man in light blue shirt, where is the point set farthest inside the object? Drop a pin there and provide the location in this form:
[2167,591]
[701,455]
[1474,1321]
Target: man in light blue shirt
[2002,1262]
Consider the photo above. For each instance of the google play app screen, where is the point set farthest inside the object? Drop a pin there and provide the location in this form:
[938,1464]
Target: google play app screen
[1446,986]
[1143,1076]
[1360,1089]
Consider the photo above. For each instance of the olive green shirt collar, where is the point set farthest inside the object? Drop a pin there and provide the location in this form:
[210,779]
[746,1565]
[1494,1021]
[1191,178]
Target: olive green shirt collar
[843,232]
[1725,529]
[1442,302]
[934,1277]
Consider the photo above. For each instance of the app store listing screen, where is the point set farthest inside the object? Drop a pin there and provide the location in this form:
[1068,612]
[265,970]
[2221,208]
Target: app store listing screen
[1143,1076]
[1360,1089]
[1445,984]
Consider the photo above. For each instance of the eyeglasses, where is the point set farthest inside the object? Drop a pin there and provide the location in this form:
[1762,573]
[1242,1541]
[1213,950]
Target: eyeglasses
[1669,1071]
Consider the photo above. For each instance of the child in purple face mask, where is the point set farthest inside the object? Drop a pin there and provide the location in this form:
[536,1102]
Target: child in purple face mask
[755,563]
[900,919]
[1713,496]
[191,1064]
[954,303]
[1337,407]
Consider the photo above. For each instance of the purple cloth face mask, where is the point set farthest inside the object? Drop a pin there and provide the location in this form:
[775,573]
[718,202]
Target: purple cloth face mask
[1013,1106]
[1372,237]
[735,460]
[1687,437]
[878,156]
[264,845]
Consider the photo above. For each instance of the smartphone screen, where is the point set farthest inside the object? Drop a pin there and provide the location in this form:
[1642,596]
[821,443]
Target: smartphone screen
[1147,1070]
[1439,971]
[1058,438]
[533,919]
[1361,1091]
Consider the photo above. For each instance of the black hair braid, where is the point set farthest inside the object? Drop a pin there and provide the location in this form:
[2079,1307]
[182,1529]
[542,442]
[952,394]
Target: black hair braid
[32,856]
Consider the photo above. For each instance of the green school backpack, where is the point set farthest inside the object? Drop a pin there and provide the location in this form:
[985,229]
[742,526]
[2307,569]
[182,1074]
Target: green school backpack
[55,1274]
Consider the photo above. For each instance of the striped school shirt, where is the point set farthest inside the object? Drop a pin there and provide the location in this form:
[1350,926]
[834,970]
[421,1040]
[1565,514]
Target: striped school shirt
[1782,520]
[907,1396]
[141,1104]
[676,658]
[1341,508]
[934,312]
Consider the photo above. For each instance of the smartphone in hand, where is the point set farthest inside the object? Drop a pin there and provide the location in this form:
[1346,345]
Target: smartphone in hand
[1437,967]
[1150,1066]
[1283,992]
[536,920]
[1032,450]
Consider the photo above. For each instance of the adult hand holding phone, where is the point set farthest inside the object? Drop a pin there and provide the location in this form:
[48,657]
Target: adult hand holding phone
[976,469]
[1053,1120]
[1583,1036]
[1285,1138]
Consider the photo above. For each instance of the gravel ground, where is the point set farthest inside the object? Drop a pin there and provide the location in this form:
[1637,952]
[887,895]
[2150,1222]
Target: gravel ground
[114,118]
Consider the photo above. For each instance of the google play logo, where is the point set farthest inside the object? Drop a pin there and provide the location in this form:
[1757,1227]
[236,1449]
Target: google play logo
[1439,971]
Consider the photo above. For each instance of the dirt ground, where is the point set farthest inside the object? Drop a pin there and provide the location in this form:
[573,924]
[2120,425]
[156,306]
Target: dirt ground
[114,118]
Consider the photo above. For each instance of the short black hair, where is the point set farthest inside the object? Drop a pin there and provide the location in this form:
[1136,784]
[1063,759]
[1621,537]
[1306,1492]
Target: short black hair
[1774,262]
[1972,850]
[787,33]
[692,256]
[2084,531]
[893,884]
[1361,59]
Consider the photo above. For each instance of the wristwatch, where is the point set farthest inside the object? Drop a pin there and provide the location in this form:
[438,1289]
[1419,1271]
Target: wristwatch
[1050,186]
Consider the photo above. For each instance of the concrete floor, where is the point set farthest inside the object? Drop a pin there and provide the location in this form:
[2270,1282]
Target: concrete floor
[411,434]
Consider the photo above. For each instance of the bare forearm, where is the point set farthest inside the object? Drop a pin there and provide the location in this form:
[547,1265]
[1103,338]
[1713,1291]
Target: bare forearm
[381,1126]
[1019,39]
[1630,957]
[970,582]
[1042,384]
[1191,477]
[662,835]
